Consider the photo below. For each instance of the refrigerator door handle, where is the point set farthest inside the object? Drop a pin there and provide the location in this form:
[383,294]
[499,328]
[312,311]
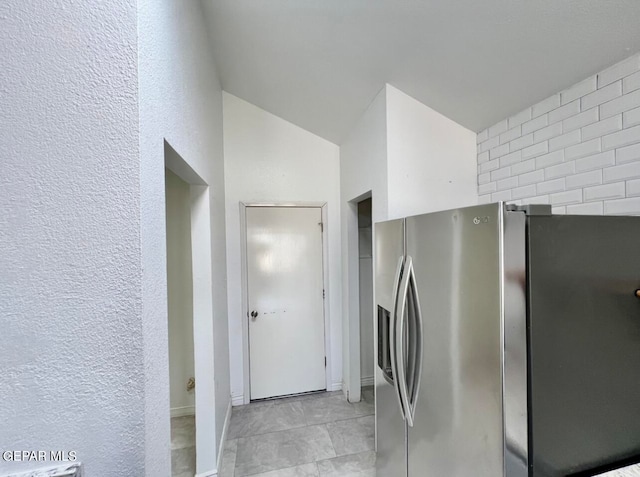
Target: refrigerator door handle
[392,334]
[401,378]
[417,353]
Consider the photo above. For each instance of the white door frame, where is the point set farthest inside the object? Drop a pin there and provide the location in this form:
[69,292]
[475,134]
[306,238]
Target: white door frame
[203,344]
[245,286]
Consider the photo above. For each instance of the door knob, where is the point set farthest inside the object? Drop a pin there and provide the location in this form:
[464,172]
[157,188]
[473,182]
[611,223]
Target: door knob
[254,314]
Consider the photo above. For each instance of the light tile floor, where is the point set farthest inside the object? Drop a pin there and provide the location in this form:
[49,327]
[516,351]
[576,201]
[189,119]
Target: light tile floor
[183,446]
[319,435]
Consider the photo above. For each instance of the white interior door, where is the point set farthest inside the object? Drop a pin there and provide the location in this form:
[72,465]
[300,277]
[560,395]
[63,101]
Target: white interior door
[285,298]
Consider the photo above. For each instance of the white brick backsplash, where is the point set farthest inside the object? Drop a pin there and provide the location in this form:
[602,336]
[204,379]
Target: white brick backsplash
[489,166]
[545,106]
[526,191]
[484,199]
[631,83]
[621,104]
[597,161]
[531,177]
[628,154]
[619,70]
[508,183]
[565,140]
[622,206]
[486,188]
[564,198]
[521,142]
[563,112]
[583,149]
[559,210]
[519,118]
[498,128]
[549,187]
[578,150]
[606,126]
[624,171]
[621,138]
[501,173]
[511,134]
[606,191]
[489,143]
[584,179]
[546,133]
[633,188]
[550,159]
[535,150]
[591,208]
[579,120]
[535,124]
[499,151]
[538,199]
[602,95]
[524,166]
[631,118]
[511,158]
[502,195]
[578,90]
[560,170]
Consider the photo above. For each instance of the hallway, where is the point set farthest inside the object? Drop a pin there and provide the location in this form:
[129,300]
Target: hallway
[318,435]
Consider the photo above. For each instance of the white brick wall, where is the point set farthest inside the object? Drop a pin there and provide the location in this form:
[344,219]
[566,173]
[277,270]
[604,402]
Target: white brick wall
[578,150]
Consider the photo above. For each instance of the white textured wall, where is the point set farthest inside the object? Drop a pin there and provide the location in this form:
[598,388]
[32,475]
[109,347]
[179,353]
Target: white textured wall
[578,150]
[71,345]
[180,101]
[432,159]
[179,294]
[268,159]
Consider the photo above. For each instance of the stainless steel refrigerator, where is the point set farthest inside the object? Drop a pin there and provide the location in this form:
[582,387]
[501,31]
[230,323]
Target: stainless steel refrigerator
[508,343]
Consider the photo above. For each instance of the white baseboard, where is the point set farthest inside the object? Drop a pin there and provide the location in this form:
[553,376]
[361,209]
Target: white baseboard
[183,411]
[237,400]
[335,387]
[368,381]
[223,438]
[210,473]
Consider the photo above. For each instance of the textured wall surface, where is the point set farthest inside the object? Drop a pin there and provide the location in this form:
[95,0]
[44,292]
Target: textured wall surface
[71,347]
[578,150]
[268,159]
[180,102]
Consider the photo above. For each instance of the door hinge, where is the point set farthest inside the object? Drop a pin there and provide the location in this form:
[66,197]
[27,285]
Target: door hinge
[325,361]
[323,293]
[321,226]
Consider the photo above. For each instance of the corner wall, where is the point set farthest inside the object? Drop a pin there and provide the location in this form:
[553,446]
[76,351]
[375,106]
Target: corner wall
[578,150]
[71,345]
[431,159]
[180,102]
[412,160]
[268,159]
[363,171]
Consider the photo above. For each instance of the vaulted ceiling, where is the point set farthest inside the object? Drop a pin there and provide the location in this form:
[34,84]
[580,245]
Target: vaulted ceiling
[319,63]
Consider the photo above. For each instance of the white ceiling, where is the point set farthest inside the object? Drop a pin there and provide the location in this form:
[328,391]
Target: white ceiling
[319,63]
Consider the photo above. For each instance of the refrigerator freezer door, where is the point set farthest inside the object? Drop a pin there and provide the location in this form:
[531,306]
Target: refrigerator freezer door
[390,425]
[458,426]
[584,323]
